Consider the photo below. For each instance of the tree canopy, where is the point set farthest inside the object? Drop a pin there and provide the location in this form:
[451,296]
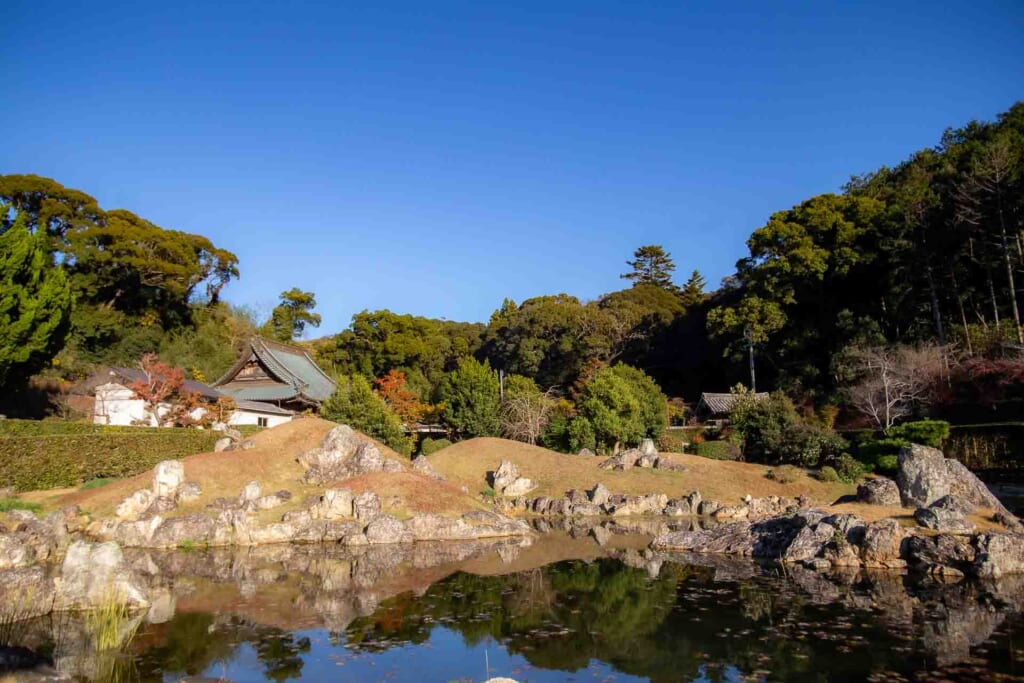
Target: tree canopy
[289,318]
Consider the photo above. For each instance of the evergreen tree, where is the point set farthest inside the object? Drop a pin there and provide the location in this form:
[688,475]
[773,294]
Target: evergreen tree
[356,404]
[692,293]
[651,265]
[35,304]
[471,399]
[288,320]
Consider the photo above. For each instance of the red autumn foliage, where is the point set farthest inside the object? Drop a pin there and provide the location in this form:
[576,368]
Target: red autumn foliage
[392,388]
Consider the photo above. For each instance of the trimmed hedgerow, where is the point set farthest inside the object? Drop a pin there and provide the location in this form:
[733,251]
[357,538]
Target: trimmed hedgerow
[61,428]
[44,462]
[717,450]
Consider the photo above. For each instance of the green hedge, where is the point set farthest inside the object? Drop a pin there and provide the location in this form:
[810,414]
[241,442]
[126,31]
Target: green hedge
[61,428]
[52,461]
[717,450]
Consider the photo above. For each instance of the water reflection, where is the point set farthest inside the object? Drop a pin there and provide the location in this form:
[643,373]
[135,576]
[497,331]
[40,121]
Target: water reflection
[562,606]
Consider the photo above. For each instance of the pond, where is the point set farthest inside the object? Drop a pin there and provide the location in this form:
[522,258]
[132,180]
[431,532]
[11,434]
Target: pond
[561,607]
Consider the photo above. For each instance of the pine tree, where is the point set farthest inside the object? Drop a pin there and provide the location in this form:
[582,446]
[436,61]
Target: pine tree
[693,291]
[652,265]
[35,304]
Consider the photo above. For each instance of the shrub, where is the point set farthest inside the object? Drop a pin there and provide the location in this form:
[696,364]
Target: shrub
[356,404]
[770,432]
[45,462]
[428,445]
[887,464]
[785,474]
[717,450]
[925,432]
[828,474]
[849,468]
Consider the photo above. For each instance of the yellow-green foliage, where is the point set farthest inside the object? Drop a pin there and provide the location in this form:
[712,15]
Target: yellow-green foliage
[45,462]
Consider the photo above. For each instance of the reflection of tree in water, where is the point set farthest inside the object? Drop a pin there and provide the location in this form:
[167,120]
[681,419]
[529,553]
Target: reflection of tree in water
[194,641]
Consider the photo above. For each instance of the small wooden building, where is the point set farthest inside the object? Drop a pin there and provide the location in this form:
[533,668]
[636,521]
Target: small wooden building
[281,374]
[718,407]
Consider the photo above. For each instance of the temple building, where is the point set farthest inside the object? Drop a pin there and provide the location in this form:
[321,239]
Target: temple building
[281,374]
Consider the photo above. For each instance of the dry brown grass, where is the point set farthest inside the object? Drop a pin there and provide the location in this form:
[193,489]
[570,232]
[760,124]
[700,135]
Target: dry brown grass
[466,463]
[273,464]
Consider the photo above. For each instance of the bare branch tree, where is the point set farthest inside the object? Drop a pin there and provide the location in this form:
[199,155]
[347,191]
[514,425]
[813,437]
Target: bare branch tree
[896,381]
[524,416]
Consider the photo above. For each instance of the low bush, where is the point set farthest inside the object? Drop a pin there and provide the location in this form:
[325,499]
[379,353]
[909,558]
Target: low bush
[887,464]
[672,441]
[785,474]
[61,428]
[849,468]
[45,462]
[828,475]
[925,432]
[428,446]
[717,450]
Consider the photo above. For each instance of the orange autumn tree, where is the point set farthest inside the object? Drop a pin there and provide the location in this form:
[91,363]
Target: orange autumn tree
[163,386]
[406,404]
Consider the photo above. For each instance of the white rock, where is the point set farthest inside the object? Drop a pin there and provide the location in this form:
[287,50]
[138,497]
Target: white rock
[134,505]
[167,477]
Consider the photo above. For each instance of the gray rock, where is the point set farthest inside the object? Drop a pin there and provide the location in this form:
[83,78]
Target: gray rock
[586,452]
[942,520]
[167,477]
[247,444]
[678,507]
[663,462]
[161,506]
[135,505]
[647,461]
[506,473]
[519,487]
[93,574]
[600,494]
[585,510]
[999,555]
[335,504]
[706,508]
[954,503]
[882,545]
[14,553]
[809,542]
[421,465]
[189,491]
[222,445]
[926,476]
[366,506]
[931,553]
[647,447]
[623,460]
[250,492]
[387,529]
[879,491]
[195,529]
[272,500]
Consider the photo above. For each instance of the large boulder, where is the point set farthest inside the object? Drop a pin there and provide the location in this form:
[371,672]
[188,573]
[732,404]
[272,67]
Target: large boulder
[135,505]
[622,460]
[421,465]
[925,476]
[387,529]
[192,530]
[167,477]
[879,491]
[999,554]
[334,504]
[366,506]
[647,447]
[600,494]
[343,454]
[14,553]
[882,544]
[94,574]
[506,481]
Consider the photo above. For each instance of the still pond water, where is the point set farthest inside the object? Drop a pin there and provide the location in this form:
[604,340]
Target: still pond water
[562,608]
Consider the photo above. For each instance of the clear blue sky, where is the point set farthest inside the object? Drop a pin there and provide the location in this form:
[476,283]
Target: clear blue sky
[436,157]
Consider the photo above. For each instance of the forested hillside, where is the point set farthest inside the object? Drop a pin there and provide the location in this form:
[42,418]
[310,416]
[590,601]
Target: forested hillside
[911,272]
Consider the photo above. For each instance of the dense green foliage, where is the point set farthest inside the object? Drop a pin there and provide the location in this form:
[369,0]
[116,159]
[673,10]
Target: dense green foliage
[925,432]
[429,446]
[289,319]
[59,460]
[770,431]
[717,450]
[135,286]
[617,406]
[356,404]
[35,305]
[471,398]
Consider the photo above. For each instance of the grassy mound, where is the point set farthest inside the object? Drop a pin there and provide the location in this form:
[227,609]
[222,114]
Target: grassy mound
[273,464]
[467,463]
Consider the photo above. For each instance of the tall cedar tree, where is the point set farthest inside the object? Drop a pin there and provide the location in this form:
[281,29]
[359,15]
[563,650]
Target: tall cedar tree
[35,305]
[289,319]
[652,265]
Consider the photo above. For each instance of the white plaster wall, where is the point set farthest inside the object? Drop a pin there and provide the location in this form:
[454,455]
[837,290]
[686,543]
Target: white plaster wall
[244,417]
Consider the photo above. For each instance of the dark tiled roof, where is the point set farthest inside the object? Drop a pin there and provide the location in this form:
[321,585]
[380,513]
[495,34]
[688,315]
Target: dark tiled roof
[259,407]
[297,375]
[722,404]
[128,376]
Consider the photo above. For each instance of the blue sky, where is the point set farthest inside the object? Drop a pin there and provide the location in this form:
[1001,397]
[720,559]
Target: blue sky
[434,158]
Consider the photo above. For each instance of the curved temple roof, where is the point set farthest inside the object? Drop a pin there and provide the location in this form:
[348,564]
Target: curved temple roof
[291,375]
